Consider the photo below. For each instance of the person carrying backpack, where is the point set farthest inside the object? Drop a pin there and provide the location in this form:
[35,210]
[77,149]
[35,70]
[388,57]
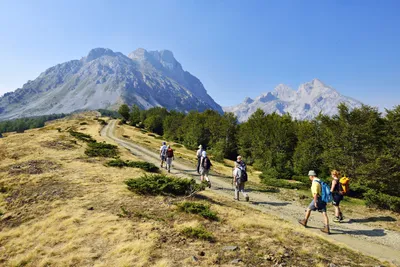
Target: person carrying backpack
[205,165]
[163,153]
[170,157]
[198,154]
[319,191]
[337,194]
[239,179]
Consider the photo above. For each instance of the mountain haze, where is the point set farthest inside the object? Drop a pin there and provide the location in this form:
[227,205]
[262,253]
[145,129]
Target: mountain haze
[106,79]
[307,102]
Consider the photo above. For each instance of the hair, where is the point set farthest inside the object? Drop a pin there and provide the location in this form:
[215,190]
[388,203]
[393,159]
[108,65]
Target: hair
[335,173]
[239,157]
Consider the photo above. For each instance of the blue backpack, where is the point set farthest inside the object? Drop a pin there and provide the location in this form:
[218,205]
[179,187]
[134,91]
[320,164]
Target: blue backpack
[326,195]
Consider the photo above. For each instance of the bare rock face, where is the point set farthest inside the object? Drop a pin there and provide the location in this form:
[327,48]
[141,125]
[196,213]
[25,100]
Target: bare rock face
[107,79]
[304,104]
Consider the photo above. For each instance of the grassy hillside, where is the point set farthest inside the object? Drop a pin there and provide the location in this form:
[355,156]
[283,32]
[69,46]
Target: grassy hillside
[59,207]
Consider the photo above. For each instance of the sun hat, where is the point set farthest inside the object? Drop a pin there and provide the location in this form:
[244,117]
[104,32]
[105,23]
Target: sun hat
[312,173]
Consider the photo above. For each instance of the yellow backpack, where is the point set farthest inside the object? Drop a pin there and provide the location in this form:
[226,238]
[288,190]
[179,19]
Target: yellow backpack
[344,187]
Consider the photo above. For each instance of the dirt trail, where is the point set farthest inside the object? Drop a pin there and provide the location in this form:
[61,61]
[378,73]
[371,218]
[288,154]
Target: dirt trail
[380,243]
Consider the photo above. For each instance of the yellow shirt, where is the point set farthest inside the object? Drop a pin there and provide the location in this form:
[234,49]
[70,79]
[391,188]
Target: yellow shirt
[316,187]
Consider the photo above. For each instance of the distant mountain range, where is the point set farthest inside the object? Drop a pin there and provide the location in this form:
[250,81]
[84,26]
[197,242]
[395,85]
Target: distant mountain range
[106,79]
[306,103]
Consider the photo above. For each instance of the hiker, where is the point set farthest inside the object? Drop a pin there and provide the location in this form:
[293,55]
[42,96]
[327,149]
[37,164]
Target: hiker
[198,154]
[163,153]
[337,195]
[239,179]
[170,157]
[205,165]
[316,203]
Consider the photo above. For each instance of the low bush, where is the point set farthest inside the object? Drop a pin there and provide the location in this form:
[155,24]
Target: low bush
[102,122]
[198,232]
[81,136]
[83,123]
[357,190]
[379,200]
[282,183]
[303,179]
[101,150]
[149,167]
[159,184]
[122,122]
[198,208]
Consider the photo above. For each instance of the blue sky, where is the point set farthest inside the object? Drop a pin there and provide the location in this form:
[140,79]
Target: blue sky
[236,48]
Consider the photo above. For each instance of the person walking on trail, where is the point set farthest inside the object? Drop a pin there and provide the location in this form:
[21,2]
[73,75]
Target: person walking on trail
[205,165]
[239,180]
[163,153]
[170,157]
[316,203]
[198,154]
[336,195]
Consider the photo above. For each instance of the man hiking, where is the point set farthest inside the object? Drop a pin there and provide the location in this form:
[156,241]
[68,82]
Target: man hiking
[198,154]
[316,203]
[336,195]
[239,179]
[163,153]
[205,165]
[170,157]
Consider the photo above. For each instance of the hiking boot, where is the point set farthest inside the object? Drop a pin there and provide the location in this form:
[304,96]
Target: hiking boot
[341,217]
[247,198]
[326,230]
[336,219]
[303,222]
[209,184]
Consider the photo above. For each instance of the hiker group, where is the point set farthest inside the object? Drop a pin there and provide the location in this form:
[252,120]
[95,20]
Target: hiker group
[324,194]
[167,156]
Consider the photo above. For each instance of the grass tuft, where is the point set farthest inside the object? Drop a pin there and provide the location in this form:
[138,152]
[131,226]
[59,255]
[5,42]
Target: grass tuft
[160,184]
[198,232]
[149,167]
[83,137]
[198,208]
[101,150]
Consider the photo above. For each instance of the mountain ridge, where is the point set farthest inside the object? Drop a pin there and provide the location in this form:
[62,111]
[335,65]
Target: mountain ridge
[106,79]
[306,102]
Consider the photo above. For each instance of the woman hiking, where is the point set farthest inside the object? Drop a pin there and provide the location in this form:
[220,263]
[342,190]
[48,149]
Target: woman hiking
[336,195]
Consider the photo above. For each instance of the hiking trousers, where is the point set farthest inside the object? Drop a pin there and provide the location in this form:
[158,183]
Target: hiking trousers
[198,164]
[239,188]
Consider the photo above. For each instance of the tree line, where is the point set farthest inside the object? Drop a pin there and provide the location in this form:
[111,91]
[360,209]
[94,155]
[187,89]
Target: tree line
[22,124]
[362,143]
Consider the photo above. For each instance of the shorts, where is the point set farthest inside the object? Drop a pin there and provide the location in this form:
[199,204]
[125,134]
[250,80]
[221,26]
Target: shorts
[321,206]
[336,199]
[204,171]
[169,161]
[163,158]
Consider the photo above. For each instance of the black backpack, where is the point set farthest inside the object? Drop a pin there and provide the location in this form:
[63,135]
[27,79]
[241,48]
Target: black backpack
[242,173]
[206,163]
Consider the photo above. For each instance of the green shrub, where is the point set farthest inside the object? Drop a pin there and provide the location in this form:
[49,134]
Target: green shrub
[1,213]
[163,185]
[83,123]
[282,183]
[149,167]
[382,201]
[357,190]
[83,137]
[122,122]
[198,208]
[101,150]
[198,232]
[303,179]
[102,122]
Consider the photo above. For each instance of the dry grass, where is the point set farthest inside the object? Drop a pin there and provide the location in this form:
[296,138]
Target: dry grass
[70,214]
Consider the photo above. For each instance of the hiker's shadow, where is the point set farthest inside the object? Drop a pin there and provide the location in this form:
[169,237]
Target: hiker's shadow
[276,204]
[371,233]
[373,219]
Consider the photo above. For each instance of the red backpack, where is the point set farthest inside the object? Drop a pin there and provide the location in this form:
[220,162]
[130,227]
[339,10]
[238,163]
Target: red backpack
[170,153]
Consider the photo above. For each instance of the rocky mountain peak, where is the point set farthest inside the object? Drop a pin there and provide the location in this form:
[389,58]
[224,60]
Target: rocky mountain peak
[248,100]
[99,52]
[284,92]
